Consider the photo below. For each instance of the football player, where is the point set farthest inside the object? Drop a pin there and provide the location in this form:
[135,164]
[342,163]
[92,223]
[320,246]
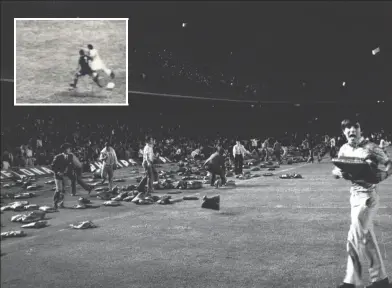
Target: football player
[361,240]
[97,64]
[83,68]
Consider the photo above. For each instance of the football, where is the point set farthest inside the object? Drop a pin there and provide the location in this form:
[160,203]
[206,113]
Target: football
[110,85]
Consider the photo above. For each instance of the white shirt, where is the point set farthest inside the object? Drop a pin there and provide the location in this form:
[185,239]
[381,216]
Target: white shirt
[383,144]
[29,153]
[6,165]
[39,143]
[254,142]
[196,152]
[93,53]
[333,143]
[96,62]
[178,151]
[239,149]
[148,153]
[108,156]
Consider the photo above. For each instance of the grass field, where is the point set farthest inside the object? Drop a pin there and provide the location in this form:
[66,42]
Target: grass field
[269,233]
[47,55]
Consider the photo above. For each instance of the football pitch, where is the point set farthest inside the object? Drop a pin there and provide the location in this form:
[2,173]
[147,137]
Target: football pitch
[47,54]
[269,232]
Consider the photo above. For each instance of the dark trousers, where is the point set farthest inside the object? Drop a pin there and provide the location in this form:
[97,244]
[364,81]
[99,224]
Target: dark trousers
[77,178]
[58,196]
[238,163]
[150,175]
[278,156]
[217,171]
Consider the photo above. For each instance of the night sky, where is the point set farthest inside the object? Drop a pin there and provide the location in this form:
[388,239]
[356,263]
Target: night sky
[281,43]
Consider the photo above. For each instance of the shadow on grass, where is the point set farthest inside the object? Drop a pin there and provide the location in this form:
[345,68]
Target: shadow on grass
[229,213]
[76,97]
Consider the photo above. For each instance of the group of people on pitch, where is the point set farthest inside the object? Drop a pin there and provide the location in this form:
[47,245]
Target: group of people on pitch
[67,167]
[364,200]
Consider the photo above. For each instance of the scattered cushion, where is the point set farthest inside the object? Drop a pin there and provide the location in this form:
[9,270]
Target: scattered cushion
[36,225]
[211,203]
[112,203]
[31,207]
[47,209]
[83,225]
[11,234]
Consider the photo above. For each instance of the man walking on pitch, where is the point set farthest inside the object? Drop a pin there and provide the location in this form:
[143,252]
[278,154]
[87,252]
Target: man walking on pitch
[239,152]
[96,63]
[149,170]
[109,159]
[77,176]
[62,168]
[216,166]
[277,151]
[361,240]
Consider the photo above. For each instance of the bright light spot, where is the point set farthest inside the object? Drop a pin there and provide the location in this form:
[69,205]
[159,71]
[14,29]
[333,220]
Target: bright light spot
[375,51]
[184,24]
[344,84]
[252,106]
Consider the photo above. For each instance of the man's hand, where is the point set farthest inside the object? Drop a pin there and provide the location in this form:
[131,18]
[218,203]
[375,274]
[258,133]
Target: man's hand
[381,175]
[59,174]
[340,174]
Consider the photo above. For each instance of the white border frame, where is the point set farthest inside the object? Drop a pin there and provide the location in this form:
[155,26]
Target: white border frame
[74,104]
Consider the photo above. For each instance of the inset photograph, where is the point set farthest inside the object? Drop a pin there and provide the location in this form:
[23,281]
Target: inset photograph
[71,61]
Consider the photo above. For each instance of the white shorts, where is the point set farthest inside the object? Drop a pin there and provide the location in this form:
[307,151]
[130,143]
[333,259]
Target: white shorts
[97,65]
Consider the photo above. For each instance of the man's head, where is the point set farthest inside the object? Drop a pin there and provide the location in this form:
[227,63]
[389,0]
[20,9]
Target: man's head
[351,130]
[81,52]
[89,46]
[107,145]
[66,148]
[150,140]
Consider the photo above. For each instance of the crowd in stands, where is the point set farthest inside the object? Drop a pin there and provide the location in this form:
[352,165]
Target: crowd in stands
[36,141]
[165,72]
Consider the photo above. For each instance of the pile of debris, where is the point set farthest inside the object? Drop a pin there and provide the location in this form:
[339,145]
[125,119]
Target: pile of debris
[26,206]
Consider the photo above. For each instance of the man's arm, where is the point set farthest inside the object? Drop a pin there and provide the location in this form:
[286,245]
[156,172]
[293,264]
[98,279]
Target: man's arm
[103,156]
[207,161]
[383,159]
[234,151]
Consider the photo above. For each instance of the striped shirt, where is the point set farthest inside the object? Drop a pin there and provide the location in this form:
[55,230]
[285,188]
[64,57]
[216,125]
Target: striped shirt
[148,153]
[365,150]
[108,156]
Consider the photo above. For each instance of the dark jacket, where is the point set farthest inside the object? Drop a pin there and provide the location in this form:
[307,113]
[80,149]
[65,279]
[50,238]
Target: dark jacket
[216,162]
[62,164]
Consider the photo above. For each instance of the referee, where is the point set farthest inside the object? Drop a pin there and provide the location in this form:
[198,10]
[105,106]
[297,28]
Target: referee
[239,152]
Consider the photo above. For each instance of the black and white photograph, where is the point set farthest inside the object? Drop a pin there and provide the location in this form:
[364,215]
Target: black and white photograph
[255,150]
[70,61]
